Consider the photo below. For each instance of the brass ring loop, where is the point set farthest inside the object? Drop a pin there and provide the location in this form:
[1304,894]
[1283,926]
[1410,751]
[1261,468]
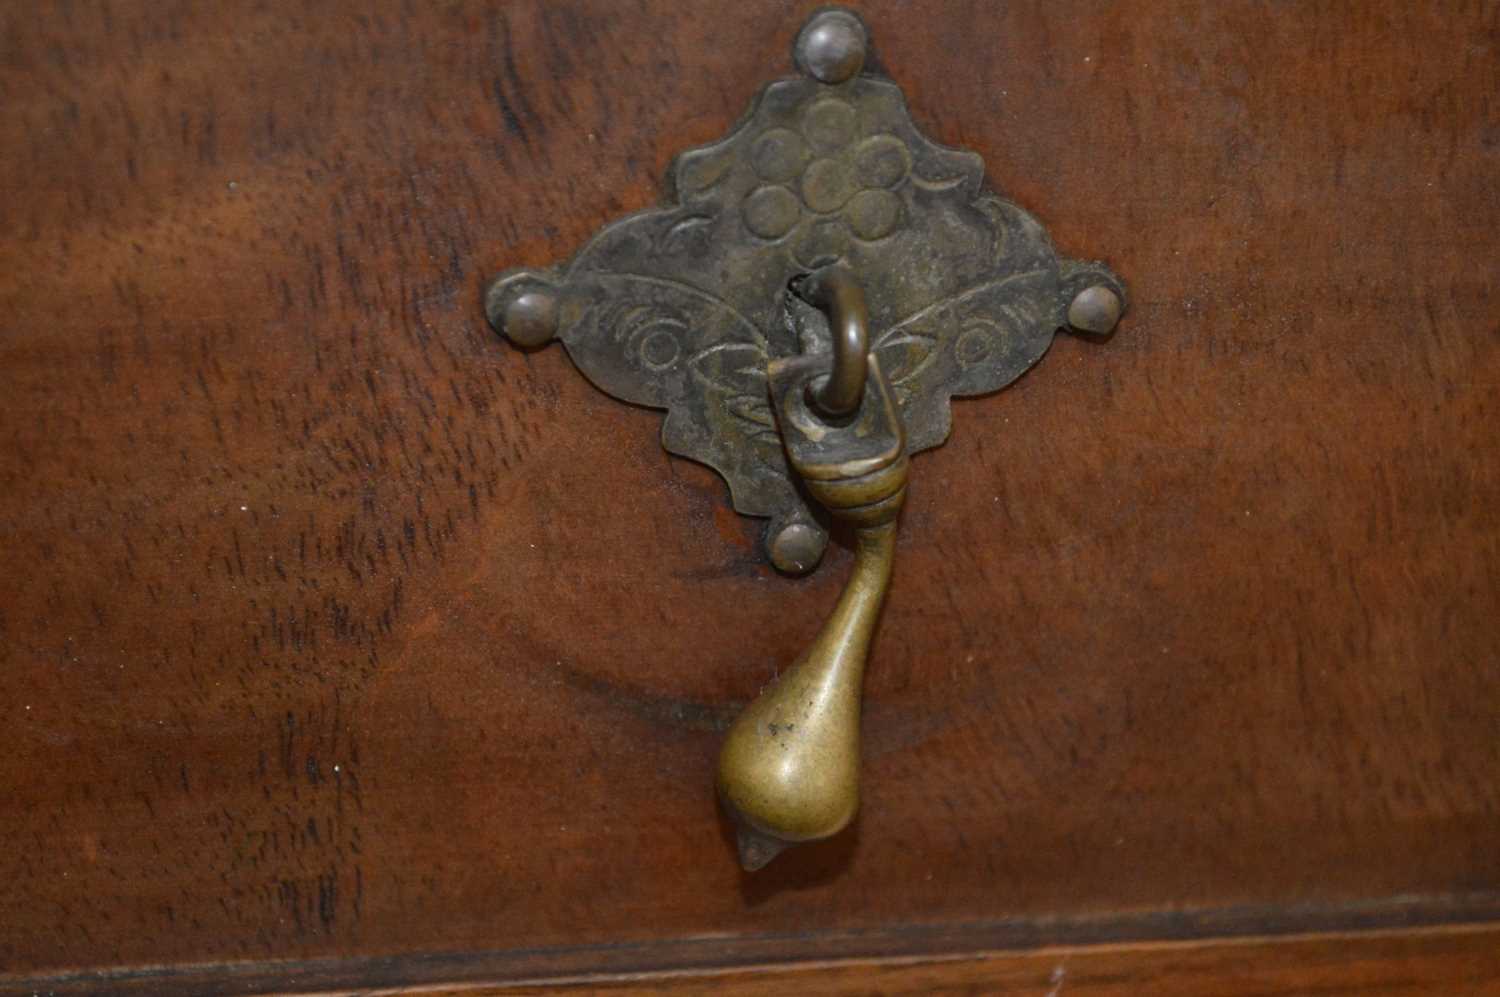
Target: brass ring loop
[838,294]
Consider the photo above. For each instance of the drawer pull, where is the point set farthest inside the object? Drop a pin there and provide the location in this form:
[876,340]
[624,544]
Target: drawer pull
[789,768]
[817,287]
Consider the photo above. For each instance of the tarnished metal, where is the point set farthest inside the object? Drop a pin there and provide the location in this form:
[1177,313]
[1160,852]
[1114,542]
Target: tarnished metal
[789,768]
[1095,309]
[831,46]
[817,287]
[679,307]
[836,291]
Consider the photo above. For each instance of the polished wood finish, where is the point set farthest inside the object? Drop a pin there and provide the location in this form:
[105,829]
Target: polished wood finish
[1449,962]
[331,629]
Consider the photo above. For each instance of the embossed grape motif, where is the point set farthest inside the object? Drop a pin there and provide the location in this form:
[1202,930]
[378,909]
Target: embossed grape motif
[825,182]
[681,307]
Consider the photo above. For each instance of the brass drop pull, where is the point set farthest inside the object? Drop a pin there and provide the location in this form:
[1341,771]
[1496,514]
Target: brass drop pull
[789,768]
[816,287]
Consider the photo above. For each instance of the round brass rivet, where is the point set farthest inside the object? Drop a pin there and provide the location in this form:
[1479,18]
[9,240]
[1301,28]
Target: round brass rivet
[831,47]
[829,125]
[778,155]
[530,318]
[827,184]
[771,212]
[882,161]
[797,548]
[874,214]
[1095,309]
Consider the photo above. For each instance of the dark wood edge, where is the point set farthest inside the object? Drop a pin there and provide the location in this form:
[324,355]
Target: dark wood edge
[1445,960]
[925,941]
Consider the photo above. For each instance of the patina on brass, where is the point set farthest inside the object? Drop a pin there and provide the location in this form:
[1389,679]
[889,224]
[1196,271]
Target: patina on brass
[789,769]
[678,307]
[838,292]
[685,307]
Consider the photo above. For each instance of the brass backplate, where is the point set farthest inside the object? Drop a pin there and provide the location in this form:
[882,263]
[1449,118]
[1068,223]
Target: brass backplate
[683,306]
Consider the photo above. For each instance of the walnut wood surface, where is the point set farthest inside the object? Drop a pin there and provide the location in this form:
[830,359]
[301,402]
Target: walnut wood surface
[1449,962]
[331,627]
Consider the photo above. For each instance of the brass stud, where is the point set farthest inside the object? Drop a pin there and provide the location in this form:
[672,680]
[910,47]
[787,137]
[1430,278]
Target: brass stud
[524,310]
[796,548]
[1095,309]
[831,47]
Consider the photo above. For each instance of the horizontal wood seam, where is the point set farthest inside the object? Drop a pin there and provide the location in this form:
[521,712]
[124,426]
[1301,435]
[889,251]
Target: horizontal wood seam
[917,942]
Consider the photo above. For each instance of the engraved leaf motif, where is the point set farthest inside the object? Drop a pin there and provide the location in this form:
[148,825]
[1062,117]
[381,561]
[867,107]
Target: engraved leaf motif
[698,171]
[689,234]
[733,368]
[939,184]
[755,410]
[752,409]
[905,353]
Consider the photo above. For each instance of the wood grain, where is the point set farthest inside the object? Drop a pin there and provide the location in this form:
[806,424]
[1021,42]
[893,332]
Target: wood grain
[1449,962]
[333,629]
